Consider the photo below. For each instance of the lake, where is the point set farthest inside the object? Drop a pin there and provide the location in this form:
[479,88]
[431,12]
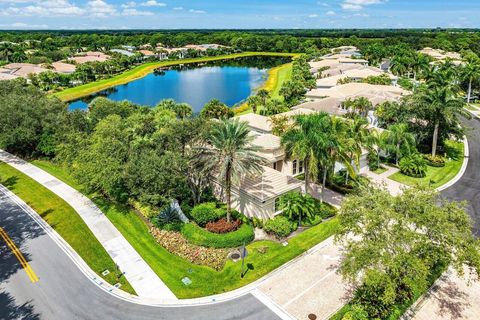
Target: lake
[230,81]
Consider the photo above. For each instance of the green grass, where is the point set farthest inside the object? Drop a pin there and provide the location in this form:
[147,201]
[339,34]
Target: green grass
[471,107]
[205,281]
[380,170]
[436,176]
[64,219]
[144,69]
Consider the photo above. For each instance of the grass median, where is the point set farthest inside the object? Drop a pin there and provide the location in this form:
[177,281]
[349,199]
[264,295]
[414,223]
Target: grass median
[264,256]
[146,68]
[437,176]
[64,220]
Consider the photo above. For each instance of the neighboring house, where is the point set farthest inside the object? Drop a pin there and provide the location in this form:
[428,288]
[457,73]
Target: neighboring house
[441,56]
[123,52]
[21,69]
[147,53]
[90,56]
[330,105]
[62,67]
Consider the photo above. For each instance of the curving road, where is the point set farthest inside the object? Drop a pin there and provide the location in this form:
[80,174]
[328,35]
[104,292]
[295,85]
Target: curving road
[64,292]
[468,187]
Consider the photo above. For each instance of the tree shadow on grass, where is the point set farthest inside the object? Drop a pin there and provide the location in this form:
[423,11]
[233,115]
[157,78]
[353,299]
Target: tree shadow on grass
[10,310]
[9,182]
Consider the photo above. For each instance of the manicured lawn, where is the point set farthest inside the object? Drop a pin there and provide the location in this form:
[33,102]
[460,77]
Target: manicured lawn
[144,69]
[380,170]
[435,177]
[64,220]
[277,76]
[205,281]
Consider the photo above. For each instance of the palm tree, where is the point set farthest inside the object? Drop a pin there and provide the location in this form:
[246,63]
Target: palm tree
[361,105]
[357,136]
[442,105]
[6,51]
[294,204]
[253,102]
[396,138]
[471,72]
[300,143]
[264,95]
[231,155]
[420,63]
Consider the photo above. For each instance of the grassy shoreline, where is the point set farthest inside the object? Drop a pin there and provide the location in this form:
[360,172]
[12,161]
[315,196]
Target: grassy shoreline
[264,256]
[147,68]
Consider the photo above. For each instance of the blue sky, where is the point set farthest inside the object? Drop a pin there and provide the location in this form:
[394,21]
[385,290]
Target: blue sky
[215,14]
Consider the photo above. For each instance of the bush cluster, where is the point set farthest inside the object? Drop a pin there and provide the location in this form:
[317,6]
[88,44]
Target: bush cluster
[413,165]
[199,236]
[436,161]
[223,226]
[206,212]
[280,226]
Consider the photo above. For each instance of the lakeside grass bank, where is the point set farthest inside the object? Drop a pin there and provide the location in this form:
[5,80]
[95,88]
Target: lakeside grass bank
[264,256]
[64,220]
[147,68]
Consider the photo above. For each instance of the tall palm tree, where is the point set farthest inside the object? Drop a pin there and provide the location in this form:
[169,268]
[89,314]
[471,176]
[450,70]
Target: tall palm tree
[420,63]
[357,136]
[232,155]
[264,94]
[300,143]
[396,138]
[294,204]
[6,51]
[470,73]
[442,105]
[253,102]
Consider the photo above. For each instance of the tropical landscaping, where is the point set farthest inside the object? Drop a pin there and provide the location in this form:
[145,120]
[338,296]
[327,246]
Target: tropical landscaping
[174,182]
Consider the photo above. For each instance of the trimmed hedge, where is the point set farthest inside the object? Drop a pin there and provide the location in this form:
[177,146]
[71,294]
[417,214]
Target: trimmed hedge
[199,236]
[207,212]
[280,226]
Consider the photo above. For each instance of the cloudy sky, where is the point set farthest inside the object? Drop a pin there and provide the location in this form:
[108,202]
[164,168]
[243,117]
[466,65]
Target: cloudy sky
[183,14]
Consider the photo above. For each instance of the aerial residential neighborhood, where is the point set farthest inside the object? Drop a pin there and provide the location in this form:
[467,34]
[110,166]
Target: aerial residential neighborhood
[225,160]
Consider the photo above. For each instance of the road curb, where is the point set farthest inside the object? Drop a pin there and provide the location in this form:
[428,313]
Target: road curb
[153,302]
[460,174]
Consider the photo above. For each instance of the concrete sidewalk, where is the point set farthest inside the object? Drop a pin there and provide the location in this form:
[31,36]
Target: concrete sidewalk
[394,187]
[142,278]
[451,297]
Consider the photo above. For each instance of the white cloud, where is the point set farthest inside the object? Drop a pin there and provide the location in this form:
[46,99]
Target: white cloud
[130,4]
[196,11]
[356,5]
[49,8]
[100,9]
[135,12]
[153,3]
[22,25]
[178,8]
[323,4]
[313,15]
[330,13]
[364,15]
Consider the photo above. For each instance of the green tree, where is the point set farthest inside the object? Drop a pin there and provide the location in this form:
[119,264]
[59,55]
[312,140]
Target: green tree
[394,245]
[216,109]
[264,95]
[253,102]
[295,205]
[398,140]
[231,155]
[471,73]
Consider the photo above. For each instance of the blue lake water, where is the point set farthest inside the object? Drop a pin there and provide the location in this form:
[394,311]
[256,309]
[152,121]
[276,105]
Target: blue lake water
[195,86]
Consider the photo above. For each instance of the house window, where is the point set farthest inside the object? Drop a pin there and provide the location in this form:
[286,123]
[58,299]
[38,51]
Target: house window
[294,165]
[300,167]
[277,204]
[275,166]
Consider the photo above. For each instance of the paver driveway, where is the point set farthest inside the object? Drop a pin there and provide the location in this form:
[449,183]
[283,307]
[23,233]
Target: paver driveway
[310,285]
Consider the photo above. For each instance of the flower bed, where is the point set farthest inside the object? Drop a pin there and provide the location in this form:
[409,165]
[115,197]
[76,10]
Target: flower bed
[205,238]
[175,243]
[223,226]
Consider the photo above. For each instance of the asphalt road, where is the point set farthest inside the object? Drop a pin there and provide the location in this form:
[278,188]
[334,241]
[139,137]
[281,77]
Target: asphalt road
[63,292]
[468,187]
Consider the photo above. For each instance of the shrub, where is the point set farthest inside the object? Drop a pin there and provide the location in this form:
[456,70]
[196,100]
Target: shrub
[373,161]
[205,238]
[223,226]
[257,222]
[206,212]
[436,161]
[326,210]
[280,226]
[413,165]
